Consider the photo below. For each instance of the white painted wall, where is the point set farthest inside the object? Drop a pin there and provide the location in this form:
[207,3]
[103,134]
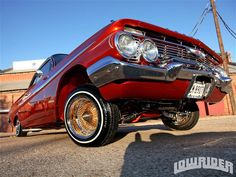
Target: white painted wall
[27,64]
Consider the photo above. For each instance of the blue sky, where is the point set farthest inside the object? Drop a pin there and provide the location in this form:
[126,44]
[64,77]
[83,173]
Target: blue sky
[36,29]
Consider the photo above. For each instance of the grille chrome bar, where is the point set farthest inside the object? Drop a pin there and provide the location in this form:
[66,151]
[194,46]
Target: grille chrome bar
[168,49]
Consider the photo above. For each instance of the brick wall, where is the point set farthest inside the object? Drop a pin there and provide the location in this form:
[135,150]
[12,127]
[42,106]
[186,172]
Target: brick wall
[16,76]
[6,100]
[8,97]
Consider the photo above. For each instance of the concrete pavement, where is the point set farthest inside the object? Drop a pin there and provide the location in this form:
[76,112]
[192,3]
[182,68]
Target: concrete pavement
[146,149]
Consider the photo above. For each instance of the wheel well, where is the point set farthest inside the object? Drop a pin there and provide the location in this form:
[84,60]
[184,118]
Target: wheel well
[71,80]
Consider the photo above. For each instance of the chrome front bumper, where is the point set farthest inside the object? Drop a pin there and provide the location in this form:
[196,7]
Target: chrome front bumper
[109,69]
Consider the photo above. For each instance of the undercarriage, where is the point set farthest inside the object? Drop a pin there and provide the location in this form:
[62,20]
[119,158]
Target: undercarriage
[133,110]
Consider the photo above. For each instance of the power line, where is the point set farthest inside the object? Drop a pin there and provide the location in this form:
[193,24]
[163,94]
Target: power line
[202,17]
[200,20]
[225,24]
[197,24]
[233,34]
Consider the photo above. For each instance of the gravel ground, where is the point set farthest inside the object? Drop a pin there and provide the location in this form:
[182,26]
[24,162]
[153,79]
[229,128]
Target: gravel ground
[143,149]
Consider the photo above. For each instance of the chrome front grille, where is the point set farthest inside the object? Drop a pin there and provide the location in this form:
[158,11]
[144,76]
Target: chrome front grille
[171,48]
[168,50]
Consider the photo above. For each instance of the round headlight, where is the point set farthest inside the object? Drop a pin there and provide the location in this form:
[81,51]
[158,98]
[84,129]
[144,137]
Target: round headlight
[149,51]
[126,45]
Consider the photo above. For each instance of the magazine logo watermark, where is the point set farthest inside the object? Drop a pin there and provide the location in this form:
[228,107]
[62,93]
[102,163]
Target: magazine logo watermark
[203,162]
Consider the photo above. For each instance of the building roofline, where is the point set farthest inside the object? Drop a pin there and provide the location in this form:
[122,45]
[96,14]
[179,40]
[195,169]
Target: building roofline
[17,72]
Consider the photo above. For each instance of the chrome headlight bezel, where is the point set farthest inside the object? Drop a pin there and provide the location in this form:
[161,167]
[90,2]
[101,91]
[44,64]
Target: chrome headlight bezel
[121,50]
[146,54]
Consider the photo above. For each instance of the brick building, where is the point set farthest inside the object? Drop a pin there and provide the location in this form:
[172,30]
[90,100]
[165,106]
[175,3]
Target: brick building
[14,82]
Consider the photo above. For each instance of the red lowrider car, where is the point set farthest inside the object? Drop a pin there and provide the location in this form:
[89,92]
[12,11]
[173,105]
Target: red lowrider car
[126,70]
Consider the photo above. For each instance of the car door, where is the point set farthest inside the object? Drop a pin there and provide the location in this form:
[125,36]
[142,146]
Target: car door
[26,107]
[38,115]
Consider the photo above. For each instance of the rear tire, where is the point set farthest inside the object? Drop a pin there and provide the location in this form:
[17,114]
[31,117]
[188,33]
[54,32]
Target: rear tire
[89,120]
[185,123]
[19,130]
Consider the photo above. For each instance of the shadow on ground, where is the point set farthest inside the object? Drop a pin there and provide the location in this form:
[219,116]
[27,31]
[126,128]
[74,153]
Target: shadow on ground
[157,157]
[125,130]
[46,133]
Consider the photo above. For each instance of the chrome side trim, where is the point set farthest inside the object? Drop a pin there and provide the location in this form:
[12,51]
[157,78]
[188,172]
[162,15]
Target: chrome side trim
[110,69]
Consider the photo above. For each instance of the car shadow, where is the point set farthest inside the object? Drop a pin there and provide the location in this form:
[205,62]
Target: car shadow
[125,130]
[122,130]
[157,156]
[45,132]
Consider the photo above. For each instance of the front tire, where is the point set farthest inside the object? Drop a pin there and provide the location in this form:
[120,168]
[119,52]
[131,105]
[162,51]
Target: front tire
[186,122]
[89,120]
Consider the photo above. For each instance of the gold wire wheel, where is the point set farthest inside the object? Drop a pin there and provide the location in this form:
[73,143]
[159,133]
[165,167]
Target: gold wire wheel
[83,117]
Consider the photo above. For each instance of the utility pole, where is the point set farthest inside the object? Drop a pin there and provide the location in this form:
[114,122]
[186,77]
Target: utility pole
[223,55]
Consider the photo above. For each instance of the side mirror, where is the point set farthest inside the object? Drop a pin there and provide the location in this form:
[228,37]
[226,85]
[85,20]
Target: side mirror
[39,73]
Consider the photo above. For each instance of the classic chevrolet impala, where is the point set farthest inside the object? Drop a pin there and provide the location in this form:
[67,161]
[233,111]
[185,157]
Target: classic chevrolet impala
[127,70]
